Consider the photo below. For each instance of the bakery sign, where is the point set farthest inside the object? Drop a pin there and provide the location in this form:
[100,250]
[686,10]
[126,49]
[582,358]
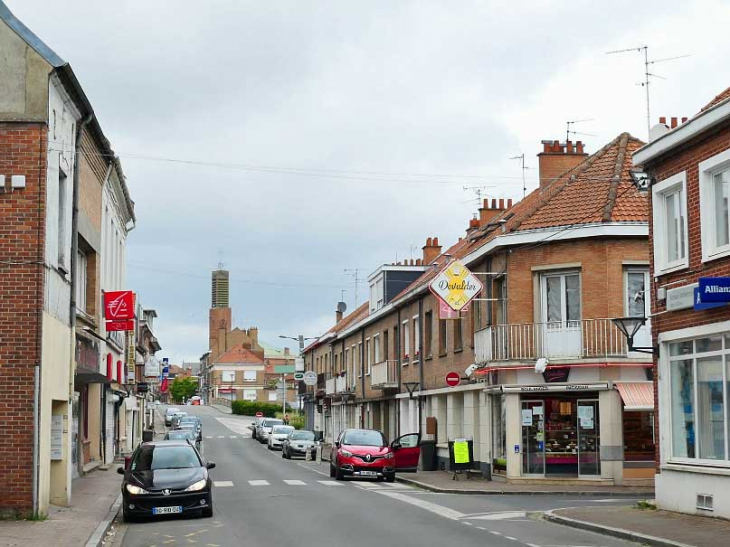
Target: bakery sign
[456,286]
[119,310]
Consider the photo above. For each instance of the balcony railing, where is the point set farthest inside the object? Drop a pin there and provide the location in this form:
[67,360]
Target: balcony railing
[330,386]
[587,338]
[384,375]
[340,384]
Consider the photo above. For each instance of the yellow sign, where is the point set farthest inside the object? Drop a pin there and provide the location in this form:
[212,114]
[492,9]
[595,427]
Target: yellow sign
[461,452]
[456,285]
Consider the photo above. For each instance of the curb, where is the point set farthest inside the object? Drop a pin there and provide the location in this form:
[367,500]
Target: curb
[431,488]
[98,536]
[620,533]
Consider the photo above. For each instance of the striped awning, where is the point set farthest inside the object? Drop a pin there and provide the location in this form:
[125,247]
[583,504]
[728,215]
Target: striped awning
[636,395]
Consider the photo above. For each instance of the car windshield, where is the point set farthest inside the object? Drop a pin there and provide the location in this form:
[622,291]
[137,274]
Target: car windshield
[150,458]
[364,437]
[179,434]
[283,429]
[272,423]
[302,436]
[171,411]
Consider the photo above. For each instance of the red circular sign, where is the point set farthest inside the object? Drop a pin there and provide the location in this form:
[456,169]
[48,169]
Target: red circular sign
[453,379]
[259,414]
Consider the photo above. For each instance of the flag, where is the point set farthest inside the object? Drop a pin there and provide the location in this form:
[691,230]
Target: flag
[165,374]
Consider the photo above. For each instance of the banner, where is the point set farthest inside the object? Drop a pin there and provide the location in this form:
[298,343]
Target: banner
[165,375]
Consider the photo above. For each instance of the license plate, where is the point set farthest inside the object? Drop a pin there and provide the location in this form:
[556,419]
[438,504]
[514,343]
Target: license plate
[369,473]
[167,510]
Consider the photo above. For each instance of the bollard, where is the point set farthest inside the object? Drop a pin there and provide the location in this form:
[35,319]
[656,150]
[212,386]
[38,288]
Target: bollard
[319,454]
[308,456]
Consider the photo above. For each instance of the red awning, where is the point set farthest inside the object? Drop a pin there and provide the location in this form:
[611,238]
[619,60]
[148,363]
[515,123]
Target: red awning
[636,395]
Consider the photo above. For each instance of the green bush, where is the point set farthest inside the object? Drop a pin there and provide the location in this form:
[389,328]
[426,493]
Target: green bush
[250,408]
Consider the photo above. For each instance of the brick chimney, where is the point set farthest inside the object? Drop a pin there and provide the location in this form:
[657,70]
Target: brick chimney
[487,213]
[431,250]
[556,158]
[286,352]
[338,316]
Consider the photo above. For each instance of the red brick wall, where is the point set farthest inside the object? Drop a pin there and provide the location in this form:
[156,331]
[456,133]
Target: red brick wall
[687,159]
[22,232]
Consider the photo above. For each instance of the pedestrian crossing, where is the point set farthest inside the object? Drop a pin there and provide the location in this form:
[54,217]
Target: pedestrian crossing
[374,486]
[226,437]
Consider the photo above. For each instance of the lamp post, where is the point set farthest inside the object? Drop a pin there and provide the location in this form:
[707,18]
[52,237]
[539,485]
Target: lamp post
[300,340]
[629,326]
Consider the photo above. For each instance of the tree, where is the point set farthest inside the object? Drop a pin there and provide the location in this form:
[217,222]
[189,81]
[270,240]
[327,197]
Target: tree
[183,388]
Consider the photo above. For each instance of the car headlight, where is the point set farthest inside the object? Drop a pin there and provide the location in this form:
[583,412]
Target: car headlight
[196,486]
[136,490]
[346,453]
[389,456]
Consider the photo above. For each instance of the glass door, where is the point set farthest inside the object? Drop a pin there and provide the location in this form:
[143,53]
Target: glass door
[589,438]
[533,437]
[637,305]
[561,315]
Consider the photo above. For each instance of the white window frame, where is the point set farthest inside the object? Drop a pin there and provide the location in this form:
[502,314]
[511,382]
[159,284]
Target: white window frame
[248,392]
[359,364]
[659,192]
[368,356]
[376,349]
[274,398]
[406,341]
[227,374]
[248,373]
[353,365]
[416,338]
[707,170]
[81,280]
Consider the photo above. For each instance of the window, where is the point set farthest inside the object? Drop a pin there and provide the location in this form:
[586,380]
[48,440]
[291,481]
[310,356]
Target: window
[406,341]
[427,334]
[386,353]
[353,366]
[359,359]
[62,217]
[669,212]
[81,281]
[249,375]
[714,176]
[228,376]
[368,356]
[561,299]
[699,372]
[272,396]
[376,350]
[346,361]
[377,293]
[442,337]
[250,394]
[458,334]
[416,338]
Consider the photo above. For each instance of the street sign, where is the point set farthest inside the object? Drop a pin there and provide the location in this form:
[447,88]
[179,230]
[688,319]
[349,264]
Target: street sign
[310,378]
[259,414]
[456,285]
[284,369]
[714,289]
[453,379]
[298,376]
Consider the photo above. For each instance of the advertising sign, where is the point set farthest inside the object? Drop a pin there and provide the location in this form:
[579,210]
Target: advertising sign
[165,379]
[456,285]
[118,305]
[701,303]
[310,378]
[445,311]
[152,367]
[112,326]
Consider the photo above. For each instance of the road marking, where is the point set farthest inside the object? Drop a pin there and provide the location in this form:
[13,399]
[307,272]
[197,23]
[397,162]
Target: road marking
[221,436]
[467,523]
[222,484]
[258,483]
[510,537]
[330,483]
[423,504]
[294,482]
[209,436]
[499,516]
[232,437]
[612,500]
[236,426]
[480,528]
[495,532]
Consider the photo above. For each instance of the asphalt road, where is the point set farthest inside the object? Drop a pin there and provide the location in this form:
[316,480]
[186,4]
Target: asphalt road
[261,499]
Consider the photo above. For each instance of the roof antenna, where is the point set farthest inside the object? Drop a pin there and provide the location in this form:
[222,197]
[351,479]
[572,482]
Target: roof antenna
[647,75]
[521,157]
[478,190]
[355,273]
[569,132]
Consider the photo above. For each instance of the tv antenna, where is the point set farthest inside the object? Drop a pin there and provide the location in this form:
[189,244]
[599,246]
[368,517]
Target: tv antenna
[521,157]
[569,131]
[478,191]
[647,75]
[355,273]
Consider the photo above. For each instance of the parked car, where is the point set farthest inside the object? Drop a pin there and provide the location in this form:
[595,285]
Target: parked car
[183,435]
[366,453]
[166,477]
[264,428]
[297,443]
[256,423]
[194,421]
[278,434]
[177,418]
[169,413]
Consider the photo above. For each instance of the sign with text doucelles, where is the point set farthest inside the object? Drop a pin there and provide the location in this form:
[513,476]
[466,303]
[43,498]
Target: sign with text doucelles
[456,285]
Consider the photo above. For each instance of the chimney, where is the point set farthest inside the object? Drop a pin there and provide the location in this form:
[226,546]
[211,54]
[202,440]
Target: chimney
[338,316]
[487,213]
[556,158]
[473,225]
[286,352]
[431,250]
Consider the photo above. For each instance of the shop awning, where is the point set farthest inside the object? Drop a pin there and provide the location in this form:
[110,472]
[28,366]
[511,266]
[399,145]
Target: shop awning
[636,395]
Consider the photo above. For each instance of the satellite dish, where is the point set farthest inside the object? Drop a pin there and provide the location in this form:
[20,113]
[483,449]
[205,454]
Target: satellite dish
[341,307]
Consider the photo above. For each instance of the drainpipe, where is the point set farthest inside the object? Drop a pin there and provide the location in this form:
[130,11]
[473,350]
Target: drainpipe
[422,362]
[398,372]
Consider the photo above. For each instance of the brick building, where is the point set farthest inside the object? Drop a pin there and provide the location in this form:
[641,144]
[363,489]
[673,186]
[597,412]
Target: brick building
[556,268]
[688,166]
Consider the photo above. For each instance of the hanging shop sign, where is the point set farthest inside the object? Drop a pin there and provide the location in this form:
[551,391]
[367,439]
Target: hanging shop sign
[542,388]
[702,306]
[445,311]
[681,298]
[119,310]
[714,289]
[556,375]
[456,285]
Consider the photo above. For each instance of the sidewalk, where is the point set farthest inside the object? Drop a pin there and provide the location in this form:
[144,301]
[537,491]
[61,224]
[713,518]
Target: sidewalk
[651,527]
[441,481]
[221,408]
[93,496]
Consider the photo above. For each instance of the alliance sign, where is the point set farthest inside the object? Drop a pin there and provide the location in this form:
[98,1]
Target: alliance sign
[456,286]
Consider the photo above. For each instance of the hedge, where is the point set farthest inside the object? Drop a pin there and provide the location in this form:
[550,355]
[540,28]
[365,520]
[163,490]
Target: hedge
[250,408]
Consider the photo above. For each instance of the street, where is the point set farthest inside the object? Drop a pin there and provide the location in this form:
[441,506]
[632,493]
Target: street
[262,499]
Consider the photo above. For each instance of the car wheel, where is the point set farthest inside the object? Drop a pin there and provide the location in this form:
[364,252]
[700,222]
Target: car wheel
[126,517]
[207,512]
[332,470]
[390,478]
[270,447]
[339,475]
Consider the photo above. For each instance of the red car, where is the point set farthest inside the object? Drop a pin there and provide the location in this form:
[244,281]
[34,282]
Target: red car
[366,453]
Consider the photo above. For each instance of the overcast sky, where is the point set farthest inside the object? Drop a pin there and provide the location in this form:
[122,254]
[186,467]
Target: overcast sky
[336,135]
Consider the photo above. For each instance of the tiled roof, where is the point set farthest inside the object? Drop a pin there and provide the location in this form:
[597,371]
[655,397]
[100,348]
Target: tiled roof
[239,354]
[725,95]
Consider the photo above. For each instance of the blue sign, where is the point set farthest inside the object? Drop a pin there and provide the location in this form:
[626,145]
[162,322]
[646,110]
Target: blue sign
[517,449]
[700,306]
[714,289]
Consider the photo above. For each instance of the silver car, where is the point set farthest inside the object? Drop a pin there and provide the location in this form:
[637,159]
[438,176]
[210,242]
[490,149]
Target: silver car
[278,434]
[298,443]
[264,429]
[169,413]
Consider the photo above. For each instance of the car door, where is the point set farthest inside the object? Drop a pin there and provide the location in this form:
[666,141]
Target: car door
[407,451]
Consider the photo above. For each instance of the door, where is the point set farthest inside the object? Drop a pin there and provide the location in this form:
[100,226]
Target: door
[589,438]
[637,305]
[533,437]
[407,450]
[561,316]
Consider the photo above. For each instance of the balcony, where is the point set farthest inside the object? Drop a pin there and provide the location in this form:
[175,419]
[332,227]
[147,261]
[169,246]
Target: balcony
[340,384]
[384,375]
[584,339]
[329,388]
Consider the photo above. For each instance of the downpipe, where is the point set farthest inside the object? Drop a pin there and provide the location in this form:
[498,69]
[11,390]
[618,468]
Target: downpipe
[36,425]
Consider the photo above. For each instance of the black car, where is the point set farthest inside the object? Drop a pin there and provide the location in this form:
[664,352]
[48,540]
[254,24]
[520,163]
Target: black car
[166,478]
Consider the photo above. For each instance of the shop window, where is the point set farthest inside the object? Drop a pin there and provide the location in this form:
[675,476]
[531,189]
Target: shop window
[638,436]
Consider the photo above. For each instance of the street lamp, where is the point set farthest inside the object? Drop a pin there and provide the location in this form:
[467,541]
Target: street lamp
[629,326]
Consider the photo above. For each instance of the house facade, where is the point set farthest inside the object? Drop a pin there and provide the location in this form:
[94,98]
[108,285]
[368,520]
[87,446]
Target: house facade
[688,166]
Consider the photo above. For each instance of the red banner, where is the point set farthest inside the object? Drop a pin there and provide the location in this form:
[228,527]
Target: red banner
[118,305]
[119,325]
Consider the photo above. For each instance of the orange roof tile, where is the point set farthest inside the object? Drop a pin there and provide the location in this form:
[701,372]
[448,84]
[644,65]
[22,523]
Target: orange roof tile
[725,95]
[239,354]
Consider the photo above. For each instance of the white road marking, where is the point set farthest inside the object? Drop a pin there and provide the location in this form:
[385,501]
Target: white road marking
[495,532]
[612,500]
[236,426]
[312,469]
[222,484]
[232,436]
[221,436]
[510,537]
[293,482]
[330,483]
[480,528]
[258,483]
[467,523]
[423,504]
[499,516]
[209,436]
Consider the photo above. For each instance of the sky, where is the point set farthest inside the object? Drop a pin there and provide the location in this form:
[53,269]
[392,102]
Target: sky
[291,141]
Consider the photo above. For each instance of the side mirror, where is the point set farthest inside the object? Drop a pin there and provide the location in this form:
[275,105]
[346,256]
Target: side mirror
[395,445]
[337,444]
[210,465]
[120,470]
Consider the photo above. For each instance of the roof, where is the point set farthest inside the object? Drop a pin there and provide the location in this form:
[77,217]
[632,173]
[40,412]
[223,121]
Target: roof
[358,314]
[30,38]
[239,354]
[724,96]
[272,352]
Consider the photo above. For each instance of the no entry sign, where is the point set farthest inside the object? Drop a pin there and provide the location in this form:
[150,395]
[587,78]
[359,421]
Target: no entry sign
[453,379]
